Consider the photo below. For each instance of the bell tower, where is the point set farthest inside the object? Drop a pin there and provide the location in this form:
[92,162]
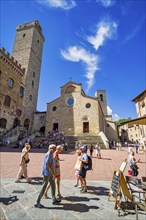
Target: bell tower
[27,50]
[101,95]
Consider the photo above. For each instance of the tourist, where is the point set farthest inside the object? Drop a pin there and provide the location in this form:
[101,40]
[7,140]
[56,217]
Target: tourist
[133,163]
[78,167]
[48,172]
[98,151]
[91,150]
[82,173]
[59,149]
[23,164]
[136,145]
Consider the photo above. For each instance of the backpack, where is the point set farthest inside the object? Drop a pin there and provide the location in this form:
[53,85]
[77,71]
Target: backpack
[88,166]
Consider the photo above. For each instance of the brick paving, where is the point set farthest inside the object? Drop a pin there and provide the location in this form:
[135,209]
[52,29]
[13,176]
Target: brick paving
[17,199]
[102,168]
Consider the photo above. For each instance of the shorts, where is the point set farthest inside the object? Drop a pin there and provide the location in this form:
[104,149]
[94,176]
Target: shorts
[82,173]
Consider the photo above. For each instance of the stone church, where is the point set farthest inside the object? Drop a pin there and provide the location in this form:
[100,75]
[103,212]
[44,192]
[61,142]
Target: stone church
[76,114]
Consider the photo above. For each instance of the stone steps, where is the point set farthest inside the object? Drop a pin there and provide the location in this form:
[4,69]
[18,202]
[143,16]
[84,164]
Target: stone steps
[72,140]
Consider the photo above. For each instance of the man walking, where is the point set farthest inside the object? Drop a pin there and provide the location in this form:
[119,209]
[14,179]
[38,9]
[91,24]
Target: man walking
[48,176]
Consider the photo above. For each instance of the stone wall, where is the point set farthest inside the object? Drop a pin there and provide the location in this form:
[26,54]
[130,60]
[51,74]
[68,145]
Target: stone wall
[11,75]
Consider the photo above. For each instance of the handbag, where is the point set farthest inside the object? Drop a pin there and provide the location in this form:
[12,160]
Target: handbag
[27,161]
[78,165]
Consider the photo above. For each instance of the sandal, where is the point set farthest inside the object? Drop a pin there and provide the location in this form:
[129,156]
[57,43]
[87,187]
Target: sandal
[46,197]
[59,196]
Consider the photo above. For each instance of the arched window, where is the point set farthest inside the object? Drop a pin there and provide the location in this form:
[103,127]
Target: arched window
[7,101]
[21,91]
[101,97]
[3,123]
[30,97]
[10,83]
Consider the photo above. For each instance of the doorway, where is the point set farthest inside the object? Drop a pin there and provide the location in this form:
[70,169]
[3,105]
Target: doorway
[55,126]
[85,127]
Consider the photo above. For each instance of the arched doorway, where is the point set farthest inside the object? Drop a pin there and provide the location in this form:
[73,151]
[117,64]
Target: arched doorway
[42,130]
[26,123]
[3,123]
[16,122]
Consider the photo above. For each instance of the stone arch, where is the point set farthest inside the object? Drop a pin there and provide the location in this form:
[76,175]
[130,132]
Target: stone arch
[16,122]
[85,118]
[26,123]
[70,89]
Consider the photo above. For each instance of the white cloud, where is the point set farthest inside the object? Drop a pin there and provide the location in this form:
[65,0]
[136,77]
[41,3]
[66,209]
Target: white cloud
[109,110]
[107,3]
[90,61]
[105,29]
[115,117]
[63,4]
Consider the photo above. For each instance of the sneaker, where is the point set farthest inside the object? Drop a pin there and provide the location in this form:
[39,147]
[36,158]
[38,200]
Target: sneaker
[83,190]
[56,202]
[75,185]
[40,206]
[46,197]
[17,181]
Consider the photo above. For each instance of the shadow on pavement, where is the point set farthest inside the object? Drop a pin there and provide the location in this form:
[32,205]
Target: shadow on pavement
[37,180]
[9,200]
[102,191]
[78,207]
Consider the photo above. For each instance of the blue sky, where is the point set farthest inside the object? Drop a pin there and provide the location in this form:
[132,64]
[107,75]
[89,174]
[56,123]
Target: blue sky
[99,43]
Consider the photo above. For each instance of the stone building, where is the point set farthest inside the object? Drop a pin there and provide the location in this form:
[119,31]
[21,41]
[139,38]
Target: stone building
[135,130]
[11,91]
[18,85]
[80,116]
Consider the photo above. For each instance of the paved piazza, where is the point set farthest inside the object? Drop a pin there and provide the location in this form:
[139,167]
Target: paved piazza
[17,199]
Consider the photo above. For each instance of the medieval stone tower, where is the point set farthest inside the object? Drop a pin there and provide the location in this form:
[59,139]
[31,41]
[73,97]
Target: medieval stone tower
[101,95]
[27,50]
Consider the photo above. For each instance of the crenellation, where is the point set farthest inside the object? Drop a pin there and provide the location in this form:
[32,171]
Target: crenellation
[5,56]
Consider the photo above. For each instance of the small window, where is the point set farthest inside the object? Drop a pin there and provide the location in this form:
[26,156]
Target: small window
[30,97]
[38,41]
[101,97]
[7,101]
[24,35]
[10,83]
[32,84]
[54,108]
[21,91]
[33,74]
[88,105]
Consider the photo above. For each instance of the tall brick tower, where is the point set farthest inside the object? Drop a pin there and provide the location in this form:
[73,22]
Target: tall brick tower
[27,50]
